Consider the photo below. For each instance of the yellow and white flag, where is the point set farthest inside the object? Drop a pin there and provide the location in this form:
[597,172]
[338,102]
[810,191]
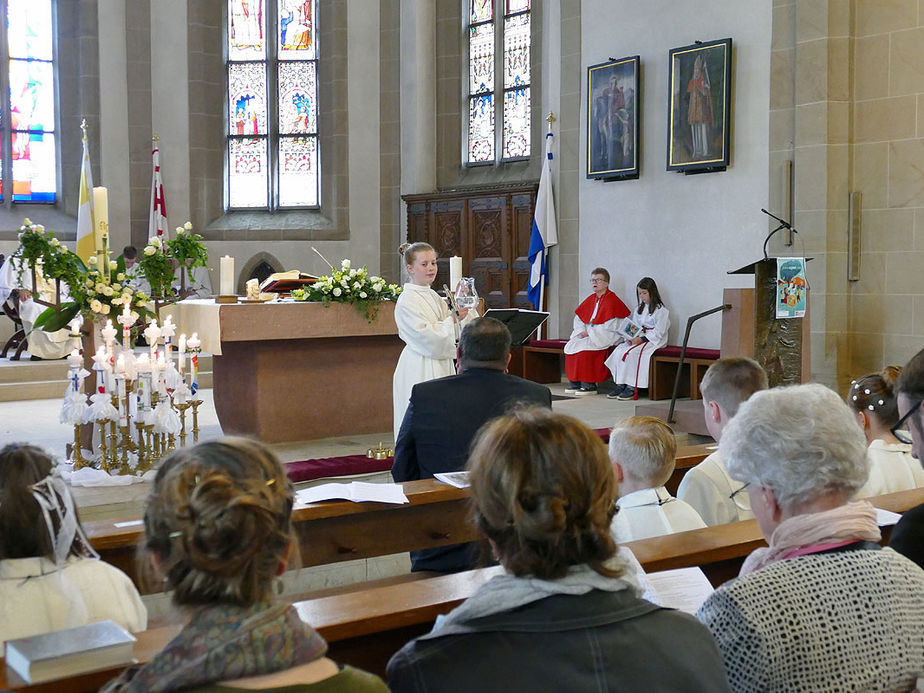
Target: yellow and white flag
[86,240]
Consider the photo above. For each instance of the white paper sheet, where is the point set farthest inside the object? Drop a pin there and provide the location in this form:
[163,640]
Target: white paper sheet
[457,479]
[683,588]
[356,491]
[884,518]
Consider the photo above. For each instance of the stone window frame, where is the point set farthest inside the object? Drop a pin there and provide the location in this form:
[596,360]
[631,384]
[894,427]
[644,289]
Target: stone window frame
[498,90]
[329,221]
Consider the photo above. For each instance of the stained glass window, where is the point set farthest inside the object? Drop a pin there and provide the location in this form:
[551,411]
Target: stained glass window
[508,32]
[30,102]
[272,128]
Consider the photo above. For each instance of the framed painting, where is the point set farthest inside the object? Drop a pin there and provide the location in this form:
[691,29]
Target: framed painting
[612,119]
[699,107]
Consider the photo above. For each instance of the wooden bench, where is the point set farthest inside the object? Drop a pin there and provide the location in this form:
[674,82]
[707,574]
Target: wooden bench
[538,360]
[664,364]
[366,625]
[335,531]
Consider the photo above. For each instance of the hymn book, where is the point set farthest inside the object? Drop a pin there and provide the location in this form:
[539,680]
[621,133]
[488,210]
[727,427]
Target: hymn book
[356,491]
[64,653]
[285,282]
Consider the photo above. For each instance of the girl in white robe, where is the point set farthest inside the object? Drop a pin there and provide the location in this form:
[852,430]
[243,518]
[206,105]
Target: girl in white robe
[891,466]
[426,326]
[629,362]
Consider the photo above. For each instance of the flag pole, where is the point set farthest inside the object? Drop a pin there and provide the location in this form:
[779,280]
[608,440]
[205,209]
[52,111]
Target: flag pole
[543,329]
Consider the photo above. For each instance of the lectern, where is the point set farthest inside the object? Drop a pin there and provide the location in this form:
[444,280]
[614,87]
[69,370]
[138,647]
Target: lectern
[751,327]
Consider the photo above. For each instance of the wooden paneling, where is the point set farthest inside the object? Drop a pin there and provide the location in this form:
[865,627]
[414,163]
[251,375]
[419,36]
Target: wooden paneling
[489,228]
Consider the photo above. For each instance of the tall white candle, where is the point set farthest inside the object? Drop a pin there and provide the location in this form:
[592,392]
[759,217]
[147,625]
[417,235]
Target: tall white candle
[455,272]
[226,276]
[100,215]
[182,354]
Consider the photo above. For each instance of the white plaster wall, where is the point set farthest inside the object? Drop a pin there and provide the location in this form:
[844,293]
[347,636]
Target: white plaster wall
[684,231]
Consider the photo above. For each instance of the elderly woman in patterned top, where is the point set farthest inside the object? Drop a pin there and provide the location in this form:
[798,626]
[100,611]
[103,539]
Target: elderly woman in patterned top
[823,607]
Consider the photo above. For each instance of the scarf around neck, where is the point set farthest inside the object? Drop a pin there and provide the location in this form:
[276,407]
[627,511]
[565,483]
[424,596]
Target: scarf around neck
[845,524]
[226,642]
[507,592]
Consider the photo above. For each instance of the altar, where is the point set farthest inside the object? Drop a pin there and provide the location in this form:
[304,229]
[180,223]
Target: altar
[296,371]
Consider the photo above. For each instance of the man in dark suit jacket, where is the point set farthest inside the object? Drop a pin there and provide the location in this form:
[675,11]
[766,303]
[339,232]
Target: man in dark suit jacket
[445,414]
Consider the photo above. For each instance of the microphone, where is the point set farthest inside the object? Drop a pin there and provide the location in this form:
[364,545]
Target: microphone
[782,225]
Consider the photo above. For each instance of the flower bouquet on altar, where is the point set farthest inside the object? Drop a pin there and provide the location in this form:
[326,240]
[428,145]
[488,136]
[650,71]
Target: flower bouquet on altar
[348,285]
[160,258]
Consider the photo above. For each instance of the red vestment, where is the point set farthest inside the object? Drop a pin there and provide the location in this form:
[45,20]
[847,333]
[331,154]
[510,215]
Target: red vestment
[586,366]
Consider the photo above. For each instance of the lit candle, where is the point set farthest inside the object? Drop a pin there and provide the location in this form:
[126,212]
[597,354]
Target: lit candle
[126,319]
[226,276]
[455,272]
[168,329]
[181,354]
[152,334]
[100,361]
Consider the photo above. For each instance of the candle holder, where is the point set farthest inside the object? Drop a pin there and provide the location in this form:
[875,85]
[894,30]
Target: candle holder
[182,407]
[195,419]
[76,456]
[103,448]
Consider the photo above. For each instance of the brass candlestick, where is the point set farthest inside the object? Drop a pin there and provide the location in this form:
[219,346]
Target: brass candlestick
[195,407]
[79,460]
[104,460]
[126,440]
[143,465]
[182,409]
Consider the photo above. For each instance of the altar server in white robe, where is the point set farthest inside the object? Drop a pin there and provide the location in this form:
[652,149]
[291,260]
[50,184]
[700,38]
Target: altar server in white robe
[426,326]
[891,465]
[629,362]
[42,345]
[642,452]
[707,487]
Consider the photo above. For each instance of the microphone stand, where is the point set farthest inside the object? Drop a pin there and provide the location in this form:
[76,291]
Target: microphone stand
[783,225]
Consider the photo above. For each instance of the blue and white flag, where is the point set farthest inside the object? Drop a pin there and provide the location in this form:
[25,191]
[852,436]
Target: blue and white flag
[545,230]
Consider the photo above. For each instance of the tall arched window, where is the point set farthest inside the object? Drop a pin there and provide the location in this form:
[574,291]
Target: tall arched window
[29,171]
[272,142]
[498,26]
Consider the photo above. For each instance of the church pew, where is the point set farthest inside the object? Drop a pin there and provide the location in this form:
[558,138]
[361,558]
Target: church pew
[366,624]
[363,627]
[336,531]
[721,550]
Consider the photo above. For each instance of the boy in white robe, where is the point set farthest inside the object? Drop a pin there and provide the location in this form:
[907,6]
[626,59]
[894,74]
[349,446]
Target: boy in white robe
[642,451]
[707,486]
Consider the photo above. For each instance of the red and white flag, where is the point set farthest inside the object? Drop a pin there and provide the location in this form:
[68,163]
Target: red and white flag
[157,225]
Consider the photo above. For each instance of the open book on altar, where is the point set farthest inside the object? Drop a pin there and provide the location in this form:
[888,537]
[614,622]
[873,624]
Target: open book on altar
[285,282]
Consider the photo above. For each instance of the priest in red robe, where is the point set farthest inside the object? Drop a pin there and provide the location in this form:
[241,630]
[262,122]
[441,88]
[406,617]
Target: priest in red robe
[595,330]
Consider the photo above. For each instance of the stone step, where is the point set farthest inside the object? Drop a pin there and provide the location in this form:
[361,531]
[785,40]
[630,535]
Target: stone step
[27,379]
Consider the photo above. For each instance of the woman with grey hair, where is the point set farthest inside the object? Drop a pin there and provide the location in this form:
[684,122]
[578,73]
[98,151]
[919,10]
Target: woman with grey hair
[823,607]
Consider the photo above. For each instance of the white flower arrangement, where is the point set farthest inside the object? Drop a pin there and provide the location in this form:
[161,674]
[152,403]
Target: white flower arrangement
[350,285]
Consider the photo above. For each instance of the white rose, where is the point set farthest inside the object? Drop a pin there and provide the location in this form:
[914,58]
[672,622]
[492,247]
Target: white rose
[344,283]
[104,309]
[337,291]
[155,242]
[345,264]
[378,288]
[188,226]
[352,272]
[108,290]
[89,283]
[121,276]
[100,287]
[96,306]
[116,287]
[117,301]
[113,264]
[179,230]
[27,222]
[356,285]
[40,228]
[55,241]
[149,250]
[92,260]
[363,294]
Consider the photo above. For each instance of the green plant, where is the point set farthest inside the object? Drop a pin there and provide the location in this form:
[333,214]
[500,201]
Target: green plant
[348,285]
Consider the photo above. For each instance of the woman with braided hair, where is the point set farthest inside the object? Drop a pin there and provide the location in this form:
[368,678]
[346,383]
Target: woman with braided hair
[564,615]
[891,466]
[218,530]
